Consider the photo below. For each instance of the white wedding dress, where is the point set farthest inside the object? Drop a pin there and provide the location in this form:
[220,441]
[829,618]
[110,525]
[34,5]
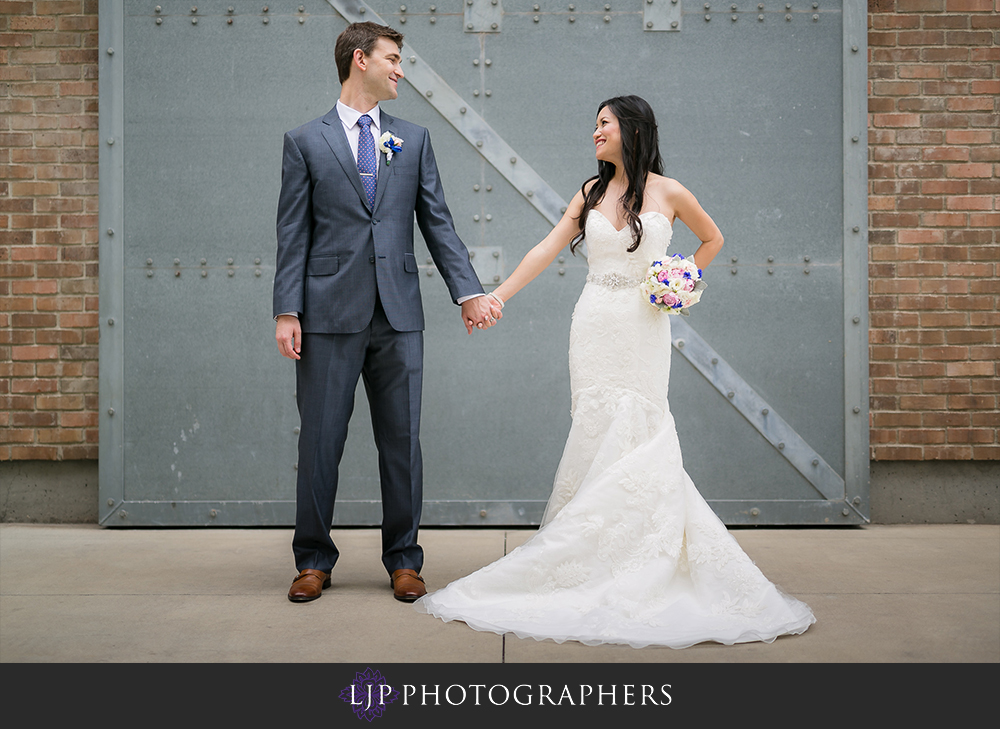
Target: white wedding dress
[628,552]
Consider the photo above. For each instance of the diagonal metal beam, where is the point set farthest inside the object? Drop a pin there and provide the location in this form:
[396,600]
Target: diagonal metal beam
[550,204]
[755,409]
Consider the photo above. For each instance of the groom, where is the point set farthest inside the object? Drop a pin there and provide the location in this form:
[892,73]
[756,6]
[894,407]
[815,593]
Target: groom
[347,300]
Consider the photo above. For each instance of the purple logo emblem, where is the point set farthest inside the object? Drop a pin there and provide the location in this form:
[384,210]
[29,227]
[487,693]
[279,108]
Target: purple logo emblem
[369,694]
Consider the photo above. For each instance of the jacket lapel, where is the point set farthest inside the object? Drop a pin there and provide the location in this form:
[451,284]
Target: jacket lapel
[384,169]
[336,137]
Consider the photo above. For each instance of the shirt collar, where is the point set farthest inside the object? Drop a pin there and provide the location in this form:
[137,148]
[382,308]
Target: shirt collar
[349,117]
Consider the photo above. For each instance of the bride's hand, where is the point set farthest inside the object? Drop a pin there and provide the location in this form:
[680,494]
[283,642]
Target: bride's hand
[480,313]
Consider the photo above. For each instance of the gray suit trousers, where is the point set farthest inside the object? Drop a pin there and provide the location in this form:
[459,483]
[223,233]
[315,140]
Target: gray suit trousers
[391,364]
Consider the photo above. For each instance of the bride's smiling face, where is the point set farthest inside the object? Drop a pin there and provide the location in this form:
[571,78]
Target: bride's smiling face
[607,137]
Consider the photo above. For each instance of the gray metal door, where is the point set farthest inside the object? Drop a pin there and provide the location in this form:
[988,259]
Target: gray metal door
[762,114]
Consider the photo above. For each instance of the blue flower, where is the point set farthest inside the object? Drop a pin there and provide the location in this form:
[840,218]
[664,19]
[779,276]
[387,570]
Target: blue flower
[389,145]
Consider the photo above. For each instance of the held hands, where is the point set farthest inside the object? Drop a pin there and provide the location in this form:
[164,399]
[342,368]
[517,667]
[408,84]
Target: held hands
[288,332]
[482,312]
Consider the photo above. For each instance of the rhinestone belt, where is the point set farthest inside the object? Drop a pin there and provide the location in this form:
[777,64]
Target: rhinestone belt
[615,281]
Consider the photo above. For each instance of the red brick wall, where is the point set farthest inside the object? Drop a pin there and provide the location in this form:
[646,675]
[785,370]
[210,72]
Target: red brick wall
[933,200]
[48,230]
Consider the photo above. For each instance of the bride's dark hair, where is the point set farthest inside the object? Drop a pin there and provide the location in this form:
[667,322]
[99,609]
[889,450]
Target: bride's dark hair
[640,156]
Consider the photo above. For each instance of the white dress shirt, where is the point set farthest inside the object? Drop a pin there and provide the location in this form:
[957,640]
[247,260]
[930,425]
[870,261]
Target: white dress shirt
[349,118]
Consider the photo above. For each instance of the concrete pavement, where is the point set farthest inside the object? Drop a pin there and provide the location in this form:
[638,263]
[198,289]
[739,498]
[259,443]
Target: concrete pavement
[72,593]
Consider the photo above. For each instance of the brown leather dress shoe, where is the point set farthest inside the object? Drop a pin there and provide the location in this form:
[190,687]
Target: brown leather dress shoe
[407,585]
[308,585]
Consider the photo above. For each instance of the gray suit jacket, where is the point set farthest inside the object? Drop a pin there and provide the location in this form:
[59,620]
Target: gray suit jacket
[334,252]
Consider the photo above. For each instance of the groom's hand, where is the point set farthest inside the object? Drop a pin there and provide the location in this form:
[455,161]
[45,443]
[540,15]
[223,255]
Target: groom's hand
[480,313]
[288,332]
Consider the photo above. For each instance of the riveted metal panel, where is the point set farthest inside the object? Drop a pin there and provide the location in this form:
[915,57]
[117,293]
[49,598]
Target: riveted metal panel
[111,380]
[662,15]
[483,16]
[759,106]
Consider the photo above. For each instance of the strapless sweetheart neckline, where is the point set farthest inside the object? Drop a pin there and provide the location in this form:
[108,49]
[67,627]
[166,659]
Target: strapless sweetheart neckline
[619,230]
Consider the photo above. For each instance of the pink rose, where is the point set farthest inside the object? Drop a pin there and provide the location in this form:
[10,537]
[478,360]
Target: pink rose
[661,276]
[671,299]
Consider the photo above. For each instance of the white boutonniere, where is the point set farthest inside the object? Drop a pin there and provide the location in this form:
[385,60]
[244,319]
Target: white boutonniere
[389,145]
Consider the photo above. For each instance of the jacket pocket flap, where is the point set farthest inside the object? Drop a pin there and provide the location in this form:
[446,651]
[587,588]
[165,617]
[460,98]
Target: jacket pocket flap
[323,266]
[409,263]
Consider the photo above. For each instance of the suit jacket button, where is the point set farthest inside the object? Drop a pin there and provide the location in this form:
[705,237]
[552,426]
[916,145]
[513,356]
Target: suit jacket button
[371,259]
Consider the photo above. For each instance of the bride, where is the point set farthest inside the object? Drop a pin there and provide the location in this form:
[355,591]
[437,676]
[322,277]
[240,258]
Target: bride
[628,550]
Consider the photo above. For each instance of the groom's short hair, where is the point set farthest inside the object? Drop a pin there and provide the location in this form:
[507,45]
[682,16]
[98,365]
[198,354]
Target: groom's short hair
[363,36]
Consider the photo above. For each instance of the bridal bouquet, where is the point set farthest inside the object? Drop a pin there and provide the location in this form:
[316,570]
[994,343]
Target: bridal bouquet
[673,285]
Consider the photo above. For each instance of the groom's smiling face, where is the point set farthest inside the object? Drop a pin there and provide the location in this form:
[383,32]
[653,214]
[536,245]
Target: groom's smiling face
[382,70]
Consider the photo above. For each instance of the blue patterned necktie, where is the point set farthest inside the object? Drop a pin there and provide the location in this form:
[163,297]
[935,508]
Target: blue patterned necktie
[367,164]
